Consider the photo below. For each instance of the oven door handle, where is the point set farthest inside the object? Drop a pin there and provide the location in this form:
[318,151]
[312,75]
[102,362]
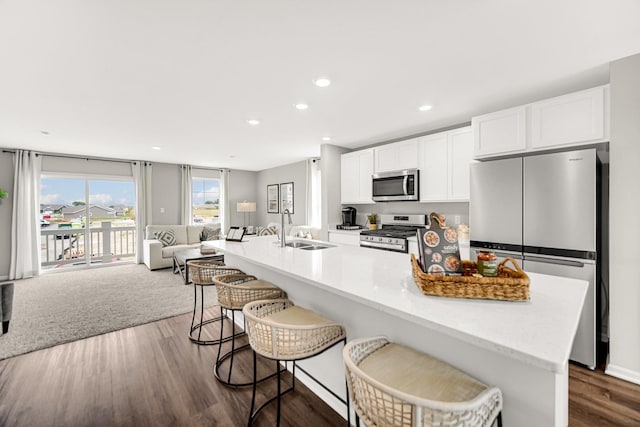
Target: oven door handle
[405,180]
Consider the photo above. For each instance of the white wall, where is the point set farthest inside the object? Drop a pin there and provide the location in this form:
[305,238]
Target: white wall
[624,205]
[6,206]
[331,176]
[294,172]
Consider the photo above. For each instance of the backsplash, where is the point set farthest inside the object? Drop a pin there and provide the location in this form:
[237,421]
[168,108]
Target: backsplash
[449,210]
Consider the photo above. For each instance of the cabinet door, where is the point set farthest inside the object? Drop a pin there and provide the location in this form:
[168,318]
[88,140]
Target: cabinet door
[499,132]
[385,158]
[344,239]
[460,155]
[575,118]
[407,154]
[365,170]
[433,167]
[349,178]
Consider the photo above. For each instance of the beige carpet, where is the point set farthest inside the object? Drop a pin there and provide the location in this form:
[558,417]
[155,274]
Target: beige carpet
[60,307]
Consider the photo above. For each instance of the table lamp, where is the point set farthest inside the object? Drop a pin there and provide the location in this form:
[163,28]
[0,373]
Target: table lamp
[246,207]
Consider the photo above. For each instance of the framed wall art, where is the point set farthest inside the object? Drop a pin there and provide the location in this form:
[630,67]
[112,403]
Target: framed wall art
[272,198]
[286,196]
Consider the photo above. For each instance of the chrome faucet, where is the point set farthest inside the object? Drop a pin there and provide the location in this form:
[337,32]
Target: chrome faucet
[282,233]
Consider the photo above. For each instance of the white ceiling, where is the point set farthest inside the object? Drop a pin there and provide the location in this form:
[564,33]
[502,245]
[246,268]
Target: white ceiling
[113,78]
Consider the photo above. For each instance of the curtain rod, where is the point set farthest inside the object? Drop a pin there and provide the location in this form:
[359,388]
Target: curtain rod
[71,156]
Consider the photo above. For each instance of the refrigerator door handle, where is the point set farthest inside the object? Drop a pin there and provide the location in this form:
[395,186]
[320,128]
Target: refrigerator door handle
[507,254]
[554,261]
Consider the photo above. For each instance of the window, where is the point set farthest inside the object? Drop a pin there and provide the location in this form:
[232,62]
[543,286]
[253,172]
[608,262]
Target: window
[86,220]
[205,200]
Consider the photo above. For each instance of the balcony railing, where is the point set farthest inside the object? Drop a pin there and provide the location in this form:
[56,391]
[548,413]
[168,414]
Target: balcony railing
[68,245]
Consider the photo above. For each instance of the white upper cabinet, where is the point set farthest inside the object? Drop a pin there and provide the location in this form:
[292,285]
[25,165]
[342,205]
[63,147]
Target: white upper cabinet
[396,156]
[356,170]
[570,120]
[444,160]
[499,132]
[575,118]
[460,154]
[433,153]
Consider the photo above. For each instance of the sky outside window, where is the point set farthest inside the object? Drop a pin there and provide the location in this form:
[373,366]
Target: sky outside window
[65,191]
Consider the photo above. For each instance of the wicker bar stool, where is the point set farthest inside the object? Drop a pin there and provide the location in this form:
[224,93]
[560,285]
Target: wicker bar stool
[282,331]
[201,273]
[234,291]
[393,385]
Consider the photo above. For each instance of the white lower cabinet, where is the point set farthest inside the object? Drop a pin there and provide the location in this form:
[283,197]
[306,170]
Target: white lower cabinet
[356,169]
[343,238]
[444,160]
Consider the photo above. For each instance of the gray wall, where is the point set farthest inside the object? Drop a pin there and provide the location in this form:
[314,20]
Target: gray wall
[294,172]
[242,186]
[165,193]
[624,205]
[6,206]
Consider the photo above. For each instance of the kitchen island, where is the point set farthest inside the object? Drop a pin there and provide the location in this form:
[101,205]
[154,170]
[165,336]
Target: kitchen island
[521,347]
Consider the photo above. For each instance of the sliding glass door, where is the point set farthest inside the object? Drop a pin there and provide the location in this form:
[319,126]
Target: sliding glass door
[86,220]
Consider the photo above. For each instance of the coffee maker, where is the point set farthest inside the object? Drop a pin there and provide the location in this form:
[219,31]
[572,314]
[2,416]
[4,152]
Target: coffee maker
[348,219]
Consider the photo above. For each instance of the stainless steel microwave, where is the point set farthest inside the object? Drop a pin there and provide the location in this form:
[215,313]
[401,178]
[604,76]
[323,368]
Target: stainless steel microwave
[396,186]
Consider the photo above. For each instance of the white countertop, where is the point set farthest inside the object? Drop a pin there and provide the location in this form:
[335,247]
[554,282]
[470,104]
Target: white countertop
[539,332]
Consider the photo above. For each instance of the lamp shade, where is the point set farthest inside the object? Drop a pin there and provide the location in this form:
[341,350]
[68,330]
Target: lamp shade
[246,206]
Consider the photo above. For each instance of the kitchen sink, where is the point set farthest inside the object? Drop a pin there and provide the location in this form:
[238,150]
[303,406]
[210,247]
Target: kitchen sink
[297,244]
[315,247]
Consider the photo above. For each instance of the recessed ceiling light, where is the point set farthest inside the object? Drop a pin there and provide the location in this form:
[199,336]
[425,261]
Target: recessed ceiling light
[322,82]
[326,138]
[425,107]
[44,132]
[232,156]
[155,147]
[302,106]
[253,122]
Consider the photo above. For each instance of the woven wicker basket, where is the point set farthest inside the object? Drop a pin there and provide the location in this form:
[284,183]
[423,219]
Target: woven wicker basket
[509,285]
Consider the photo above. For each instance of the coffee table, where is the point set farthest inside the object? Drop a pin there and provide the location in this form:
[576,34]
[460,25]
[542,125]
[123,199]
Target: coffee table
[181,258]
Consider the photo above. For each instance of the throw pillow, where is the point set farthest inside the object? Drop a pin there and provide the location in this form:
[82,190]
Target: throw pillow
[210,233]
[167,237]
[266,231]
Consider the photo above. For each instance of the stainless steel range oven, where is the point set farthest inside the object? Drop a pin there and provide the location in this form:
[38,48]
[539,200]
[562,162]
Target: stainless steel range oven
[393,234]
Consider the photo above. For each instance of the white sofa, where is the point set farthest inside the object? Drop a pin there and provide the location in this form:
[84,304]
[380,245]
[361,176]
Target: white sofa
[296,230]
[187,236]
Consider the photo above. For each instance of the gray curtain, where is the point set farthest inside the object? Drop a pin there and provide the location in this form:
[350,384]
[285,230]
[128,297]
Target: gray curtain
[185,195]
[142,176]
[225,220]
[25,218]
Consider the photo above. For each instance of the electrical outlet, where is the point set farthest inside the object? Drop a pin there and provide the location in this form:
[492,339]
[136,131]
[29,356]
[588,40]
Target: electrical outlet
[456,219]
[161,210]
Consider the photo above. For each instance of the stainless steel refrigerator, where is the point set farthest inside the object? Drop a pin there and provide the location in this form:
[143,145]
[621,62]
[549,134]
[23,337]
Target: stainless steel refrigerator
[543,210]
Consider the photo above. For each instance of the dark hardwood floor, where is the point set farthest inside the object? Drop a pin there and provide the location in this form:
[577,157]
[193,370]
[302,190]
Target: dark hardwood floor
[153,375]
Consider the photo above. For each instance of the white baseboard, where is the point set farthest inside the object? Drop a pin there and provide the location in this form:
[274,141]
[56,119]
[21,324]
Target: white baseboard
[623,373]
[3,278]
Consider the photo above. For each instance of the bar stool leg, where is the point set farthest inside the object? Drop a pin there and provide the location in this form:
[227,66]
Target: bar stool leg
[201,309]
[233,344]
[253,394]
[221,335]
[279,391]
[500,419]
